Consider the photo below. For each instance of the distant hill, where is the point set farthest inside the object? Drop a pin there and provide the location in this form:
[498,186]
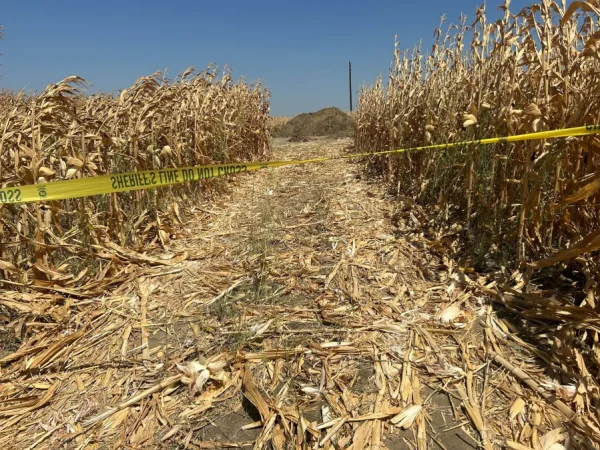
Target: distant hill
[331,122]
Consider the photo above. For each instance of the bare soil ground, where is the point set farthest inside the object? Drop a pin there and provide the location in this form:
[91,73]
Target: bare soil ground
[303,309]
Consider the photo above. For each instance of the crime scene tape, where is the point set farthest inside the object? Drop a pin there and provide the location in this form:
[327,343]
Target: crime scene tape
[147,179]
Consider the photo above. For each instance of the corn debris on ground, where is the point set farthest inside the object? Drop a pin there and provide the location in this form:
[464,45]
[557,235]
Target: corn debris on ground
[300,309]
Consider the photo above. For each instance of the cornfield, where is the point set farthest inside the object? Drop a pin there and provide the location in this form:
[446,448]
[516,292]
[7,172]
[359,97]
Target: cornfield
[532,205]
[156,123]
[532,71]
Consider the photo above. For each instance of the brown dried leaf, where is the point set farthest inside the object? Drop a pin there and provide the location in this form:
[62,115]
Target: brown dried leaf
[9,267]
[406,418]
[532,110]
[71,173]
[583,193]
[46,172]
[48,355]
[516,408]
[550,440]
[516,446]
[578,5]
[254,395]
[588,244]
[278,438]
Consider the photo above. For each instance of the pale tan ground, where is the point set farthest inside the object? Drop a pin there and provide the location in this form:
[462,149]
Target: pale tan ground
[321,299]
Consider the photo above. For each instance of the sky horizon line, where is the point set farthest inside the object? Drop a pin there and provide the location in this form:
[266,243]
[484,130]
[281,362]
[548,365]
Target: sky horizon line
[300,51]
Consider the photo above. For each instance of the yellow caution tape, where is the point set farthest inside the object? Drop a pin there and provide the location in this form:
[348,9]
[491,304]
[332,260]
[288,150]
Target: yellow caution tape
[147,179]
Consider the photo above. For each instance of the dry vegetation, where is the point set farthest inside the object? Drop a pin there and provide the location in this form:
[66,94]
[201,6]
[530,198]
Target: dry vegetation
[60,134]
[59,259]
[276,122]
[531,205]
[527,72]
[304,309]
[295,314]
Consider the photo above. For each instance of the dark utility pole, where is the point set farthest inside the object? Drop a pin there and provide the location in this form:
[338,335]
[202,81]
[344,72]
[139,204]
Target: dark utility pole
[350,82]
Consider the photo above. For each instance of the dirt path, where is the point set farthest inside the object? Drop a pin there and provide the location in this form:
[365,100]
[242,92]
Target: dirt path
[320,311]
[320,275]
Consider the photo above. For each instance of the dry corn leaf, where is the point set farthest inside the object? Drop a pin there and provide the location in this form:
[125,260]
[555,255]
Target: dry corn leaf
[550,440]
[450,313]
[259,329]
[9,267]
[361,436]
[278,440]
[74,162]
[516,446]
[516,408]
[30,404]
[588,244]
[46,172]
[583,193]
[200,381]
[47,355]
[579,5]
[254,395]
[312,390]
[71,173]
[406,418]
[532,110]
[117,419]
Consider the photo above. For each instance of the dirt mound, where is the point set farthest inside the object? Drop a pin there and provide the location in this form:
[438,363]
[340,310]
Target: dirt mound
[331,122]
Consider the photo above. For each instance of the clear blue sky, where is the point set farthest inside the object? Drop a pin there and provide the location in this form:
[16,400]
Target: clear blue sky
[299,49]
